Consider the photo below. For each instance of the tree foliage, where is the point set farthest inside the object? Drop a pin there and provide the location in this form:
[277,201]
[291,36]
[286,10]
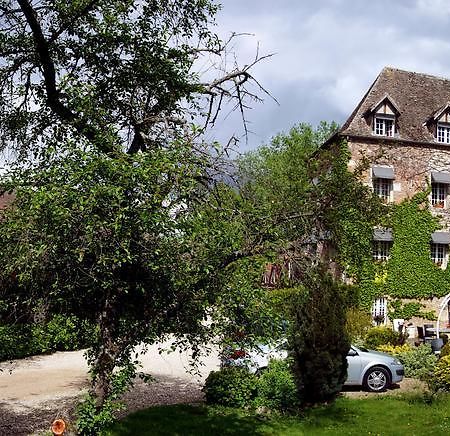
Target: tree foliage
[319,219]
[119,216]
[318,338]
[119,75]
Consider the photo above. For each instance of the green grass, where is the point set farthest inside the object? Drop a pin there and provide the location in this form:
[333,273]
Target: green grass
[396,416]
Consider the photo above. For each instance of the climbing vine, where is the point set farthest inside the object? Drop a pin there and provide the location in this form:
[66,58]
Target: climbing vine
[401,310]
[410,272]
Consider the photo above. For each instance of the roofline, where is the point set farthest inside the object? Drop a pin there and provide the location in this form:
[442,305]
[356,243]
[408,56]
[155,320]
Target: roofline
[430,76]
[355,111]
[385,97]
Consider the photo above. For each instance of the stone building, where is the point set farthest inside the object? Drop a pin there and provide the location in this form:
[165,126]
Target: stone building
[402,126]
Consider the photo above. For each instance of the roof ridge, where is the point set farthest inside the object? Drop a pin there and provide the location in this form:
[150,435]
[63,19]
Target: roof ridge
[430,76]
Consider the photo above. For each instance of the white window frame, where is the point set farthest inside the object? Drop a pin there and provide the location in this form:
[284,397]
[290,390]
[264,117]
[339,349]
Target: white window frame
[383,188]
[379,309]
[439,195]
[443,133]
[381,250]
[384,125]
[439,254]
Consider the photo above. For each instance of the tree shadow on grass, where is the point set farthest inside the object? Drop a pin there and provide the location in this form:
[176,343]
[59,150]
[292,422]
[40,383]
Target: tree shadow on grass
[187,420]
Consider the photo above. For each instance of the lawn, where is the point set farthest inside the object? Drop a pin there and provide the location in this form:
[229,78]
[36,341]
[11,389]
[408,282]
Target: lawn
[412,415]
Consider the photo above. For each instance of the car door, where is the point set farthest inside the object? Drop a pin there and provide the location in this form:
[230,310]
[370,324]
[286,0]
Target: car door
[354,367]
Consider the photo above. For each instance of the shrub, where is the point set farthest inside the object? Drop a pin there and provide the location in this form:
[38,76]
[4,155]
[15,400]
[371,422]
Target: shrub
[440,380]
[232,386]
[276,387]
[377,336]
[61,333]
[15,341]
[419,362]
[358,323]
[91,421]
[318,339]
[395,350]
[445,350]
[68,333]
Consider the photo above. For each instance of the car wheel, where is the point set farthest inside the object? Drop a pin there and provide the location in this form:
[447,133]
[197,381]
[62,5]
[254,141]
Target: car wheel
[377,379]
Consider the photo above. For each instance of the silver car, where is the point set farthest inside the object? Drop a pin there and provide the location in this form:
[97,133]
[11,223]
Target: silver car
[371,369]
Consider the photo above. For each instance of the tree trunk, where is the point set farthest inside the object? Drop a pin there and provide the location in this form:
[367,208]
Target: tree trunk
[107,354]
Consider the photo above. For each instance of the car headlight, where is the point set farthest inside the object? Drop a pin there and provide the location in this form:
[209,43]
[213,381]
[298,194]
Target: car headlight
[395,362]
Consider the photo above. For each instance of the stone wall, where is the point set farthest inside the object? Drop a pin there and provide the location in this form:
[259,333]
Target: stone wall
[432,304]
[412,167]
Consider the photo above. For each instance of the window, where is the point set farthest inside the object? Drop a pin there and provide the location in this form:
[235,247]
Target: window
[384,126]
[381,250]
[439,254]
[438,194]
[383,188]
[379,310]
[443,133]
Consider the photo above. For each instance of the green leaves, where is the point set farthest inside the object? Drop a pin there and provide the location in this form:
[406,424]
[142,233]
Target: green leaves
[98,70]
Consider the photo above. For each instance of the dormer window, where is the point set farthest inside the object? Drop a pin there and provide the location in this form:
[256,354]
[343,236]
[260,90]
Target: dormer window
[443,133]
[384,126]
[439,124]
[383,117]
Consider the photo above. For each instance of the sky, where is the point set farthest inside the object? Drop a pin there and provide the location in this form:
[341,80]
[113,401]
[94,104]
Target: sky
[326,54]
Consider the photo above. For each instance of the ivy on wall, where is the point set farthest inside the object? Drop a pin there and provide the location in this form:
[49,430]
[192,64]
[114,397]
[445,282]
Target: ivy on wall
[410,272]
[401,310]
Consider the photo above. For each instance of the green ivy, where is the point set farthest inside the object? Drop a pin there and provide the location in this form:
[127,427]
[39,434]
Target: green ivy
[401,310]
[410,272]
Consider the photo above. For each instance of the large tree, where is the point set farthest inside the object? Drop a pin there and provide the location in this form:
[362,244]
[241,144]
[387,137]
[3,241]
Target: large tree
[117,217]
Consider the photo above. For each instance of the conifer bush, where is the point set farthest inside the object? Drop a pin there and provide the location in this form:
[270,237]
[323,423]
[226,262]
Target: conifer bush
[318,338]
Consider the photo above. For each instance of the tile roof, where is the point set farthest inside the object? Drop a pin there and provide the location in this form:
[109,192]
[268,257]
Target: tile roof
[418,97]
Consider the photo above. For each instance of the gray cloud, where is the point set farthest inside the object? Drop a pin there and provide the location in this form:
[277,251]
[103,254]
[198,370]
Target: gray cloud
[328,52]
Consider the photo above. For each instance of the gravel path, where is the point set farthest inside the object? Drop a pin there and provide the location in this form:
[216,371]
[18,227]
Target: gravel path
[37,390]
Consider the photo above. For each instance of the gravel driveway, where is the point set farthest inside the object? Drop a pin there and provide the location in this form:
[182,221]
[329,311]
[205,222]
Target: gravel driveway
[36,390]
